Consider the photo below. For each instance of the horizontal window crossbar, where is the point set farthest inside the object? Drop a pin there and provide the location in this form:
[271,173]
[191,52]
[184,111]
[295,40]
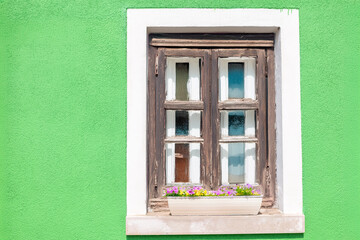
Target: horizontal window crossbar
[241,104]
[184,105]
[184,139]
[237,139]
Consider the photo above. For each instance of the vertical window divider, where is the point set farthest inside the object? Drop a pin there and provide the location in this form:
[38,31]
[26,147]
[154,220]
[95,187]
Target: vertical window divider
[215,118]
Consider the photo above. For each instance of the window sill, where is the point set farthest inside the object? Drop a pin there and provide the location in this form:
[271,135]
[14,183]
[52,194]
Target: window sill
[193,225]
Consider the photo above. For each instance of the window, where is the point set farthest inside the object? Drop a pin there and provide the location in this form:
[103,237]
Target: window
[284,24]
[211,112]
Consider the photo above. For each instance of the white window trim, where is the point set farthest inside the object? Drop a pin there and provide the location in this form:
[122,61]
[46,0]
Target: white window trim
[285,25]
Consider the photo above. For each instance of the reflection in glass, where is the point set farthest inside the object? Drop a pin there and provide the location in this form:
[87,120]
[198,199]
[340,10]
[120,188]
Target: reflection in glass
[236,162]
[182,123]
[182,162]
[236,80]
[238,123]
[182,77]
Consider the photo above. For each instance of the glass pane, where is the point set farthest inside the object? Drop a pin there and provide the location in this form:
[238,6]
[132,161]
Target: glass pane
[236,80]
[238,162]
[182,162]
[182,77]
[238,123]
[183,123]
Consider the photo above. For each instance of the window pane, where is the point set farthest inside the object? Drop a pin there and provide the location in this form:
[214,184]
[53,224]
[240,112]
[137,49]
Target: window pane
[238,162]
[182,162]
[182,78]
[183,123]
[238,123]
[236,80]
[236,157]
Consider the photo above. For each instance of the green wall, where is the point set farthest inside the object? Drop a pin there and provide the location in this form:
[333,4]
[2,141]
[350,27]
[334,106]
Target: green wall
[63,117]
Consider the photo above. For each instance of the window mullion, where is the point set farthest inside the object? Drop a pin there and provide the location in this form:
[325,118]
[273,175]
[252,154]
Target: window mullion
[215,121]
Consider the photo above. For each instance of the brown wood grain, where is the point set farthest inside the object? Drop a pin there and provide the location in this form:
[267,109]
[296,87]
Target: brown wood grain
[163,42]
[271,108]
[184,139]
[160,125]
[151,119]
[238,104]
[215,121]
[240,52]
[184,105]
[262,118]
[207,132]
[212,40]
[184,52]
[237,139]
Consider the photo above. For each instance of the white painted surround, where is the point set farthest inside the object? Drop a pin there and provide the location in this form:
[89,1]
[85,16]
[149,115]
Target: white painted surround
[284,23]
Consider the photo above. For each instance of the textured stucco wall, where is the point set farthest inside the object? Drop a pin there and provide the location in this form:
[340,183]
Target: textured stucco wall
[63,117]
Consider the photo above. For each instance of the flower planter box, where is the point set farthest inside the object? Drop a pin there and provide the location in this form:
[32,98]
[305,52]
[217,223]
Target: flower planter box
[215,205]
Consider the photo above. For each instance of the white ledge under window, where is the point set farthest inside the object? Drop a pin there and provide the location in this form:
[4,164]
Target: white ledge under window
[289,198]
[194,225]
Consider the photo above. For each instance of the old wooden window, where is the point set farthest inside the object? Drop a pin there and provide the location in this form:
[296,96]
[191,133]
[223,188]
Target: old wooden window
[211,112]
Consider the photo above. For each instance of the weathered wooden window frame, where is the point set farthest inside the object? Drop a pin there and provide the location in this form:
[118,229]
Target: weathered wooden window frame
[209,47]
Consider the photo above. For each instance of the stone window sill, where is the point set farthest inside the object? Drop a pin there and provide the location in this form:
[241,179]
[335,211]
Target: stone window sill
[194,225]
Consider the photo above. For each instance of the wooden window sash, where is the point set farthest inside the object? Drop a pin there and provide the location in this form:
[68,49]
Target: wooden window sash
[156,116]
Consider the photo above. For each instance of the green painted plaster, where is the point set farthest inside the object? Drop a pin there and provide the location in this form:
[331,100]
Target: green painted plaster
[63,117]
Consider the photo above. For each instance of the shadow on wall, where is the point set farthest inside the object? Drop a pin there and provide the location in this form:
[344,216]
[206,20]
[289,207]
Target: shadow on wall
[220,237]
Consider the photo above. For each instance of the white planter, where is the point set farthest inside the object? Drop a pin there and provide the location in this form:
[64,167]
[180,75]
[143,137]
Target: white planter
[212,206]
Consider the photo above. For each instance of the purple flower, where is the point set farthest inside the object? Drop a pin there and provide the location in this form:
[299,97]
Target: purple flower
[191,192]
[249,185]
[176,190]
[230,192]
[218,192]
